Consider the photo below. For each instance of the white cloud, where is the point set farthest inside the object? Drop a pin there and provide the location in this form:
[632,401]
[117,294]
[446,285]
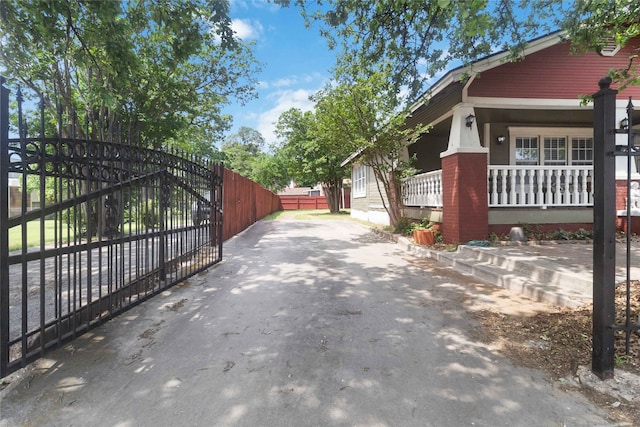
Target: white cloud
[284,82]
[247,29]
[293,80]
[284,100]
[254,4]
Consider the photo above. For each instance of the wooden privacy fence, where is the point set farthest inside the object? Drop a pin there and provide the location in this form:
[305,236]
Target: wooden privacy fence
[244,202]
[313,202]
[303,202]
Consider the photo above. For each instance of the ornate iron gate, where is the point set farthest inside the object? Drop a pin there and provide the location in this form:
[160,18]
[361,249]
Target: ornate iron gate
[89,229]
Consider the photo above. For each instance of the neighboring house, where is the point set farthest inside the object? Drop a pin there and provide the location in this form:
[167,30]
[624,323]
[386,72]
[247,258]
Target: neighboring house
[15,195]
[292,190]
[366,199]
[509,145]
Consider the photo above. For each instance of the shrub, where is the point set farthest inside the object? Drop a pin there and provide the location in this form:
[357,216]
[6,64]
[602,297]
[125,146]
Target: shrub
[403,226]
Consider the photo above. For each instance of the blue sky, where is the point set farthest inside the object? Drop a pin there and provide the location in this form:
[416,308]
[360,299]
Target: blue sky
[296,63]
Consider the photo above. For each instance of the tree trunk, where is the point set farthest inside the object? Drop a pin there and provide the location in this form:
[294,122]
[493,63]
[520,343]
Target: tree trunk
[332,191]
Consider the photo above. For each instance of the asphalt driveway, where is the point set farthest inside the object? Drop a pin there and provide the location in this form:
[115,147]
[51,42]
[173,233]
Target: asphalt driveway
[305,323]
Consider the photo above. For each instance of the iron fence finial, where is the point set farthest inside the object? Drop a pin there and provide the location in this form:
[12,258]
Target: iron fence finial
[605,82]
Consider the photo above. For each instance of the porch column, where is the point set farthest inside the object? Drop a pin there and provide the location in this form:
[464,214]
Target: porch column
[465,209]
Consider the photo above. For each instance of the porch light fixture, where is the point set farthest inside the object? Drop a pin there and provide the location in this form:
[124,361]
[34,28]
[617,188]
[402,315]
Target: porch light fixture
[624,124]
[469,120]
[501,139]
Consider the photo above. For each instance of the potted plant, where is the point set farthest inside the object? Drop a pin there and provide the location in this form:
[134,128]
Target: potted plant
[424,232]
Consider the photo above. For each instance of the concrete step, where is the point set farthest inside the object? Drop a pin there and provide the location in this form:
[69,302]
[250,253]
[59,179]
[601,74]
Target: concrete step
[533,268]
[525,281]
[536,281]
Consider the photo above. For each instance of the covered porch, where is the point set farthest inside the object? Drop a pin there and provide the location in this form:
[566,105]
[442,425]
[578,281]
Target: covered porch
[512,186]
[550,197]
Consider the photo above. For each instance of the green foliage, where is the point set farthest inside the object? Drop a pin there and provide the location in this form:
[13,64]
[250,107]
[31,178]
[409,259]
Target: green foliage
[620,360]
[560,235]
[270,171]
[403,226]
[314,155]
[242,150]
[162,69]
[583,234]
[580,234]
[415,41]
[493,237]
[357,113]
[535,232]
[425,224]
[591,24]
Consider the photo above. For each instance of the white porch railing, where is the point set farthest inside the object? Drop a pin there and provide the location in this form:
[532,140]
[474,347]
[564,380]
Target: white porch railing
[512,186]
[423,190]
[524,186]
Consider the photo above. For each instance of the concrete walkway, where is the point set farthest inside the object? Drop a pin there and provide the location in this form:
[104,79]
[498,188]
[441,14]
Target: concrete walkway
[305,323]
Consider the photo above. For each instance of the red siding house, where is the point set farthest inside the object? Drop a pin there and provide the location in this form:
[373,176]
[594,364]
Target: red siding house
[510,143]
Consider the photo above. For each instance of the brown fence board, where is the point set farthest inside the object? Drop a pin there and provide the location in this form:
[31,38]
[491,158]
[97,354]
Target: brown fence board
[312,202]
[244,202]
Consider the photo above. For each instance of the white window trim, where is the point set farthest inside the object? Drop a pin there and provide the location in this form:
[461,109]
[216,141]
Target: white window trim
[543,132]
[359,184]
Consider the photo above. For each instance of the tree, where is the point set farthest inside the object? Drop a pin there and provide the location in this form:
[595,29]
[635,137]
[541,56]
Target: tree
[272,171]
[157,68]
[358,115]
[148,72]
[313,155]
[591,25]
[242,150]
[414,40]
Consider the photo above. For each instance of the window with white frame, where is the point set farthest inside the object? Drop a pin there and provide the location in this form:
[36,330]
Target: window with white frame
[526,151]
[582,150]
[551,146]
[359,181]
[555,150]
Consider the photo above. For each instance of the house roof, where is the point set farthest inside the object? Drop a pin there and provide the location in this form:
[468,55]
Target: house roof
[450,83]
[454,76]
[295,191]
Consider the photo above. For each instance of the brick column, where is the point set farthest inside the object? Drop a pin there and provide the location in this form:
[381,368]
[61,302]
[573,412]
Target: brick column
[465,210]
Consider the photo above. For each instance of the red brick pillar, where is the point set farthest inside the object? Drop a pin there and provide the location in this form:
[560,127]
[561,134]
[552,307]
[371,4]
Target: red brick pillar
[621,194]
[621,205]
[465,210]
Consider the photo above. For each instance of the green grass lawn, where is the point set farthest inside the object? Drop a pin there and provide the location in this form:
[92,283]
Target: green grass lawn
[33,234]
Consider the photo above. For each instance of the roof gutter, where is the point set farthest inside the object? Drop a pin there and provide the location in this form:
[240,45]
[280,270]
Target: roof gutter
[351,157]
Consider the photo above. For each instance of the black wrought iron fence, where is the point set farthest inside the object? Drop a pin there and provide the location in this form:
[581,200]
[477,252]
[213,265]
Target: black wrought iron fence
[90,228]
[606,322]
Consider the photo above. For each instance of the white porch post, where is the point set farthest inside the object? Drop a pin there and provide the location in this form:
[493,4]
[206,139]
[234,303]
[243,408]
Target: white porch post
[461,137]
[465,201]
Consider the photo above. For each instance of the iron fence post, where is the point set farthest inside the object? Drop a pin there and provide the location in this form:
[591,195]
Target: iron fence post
[220,214]
[162,224]
[604,229]
[4,230]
